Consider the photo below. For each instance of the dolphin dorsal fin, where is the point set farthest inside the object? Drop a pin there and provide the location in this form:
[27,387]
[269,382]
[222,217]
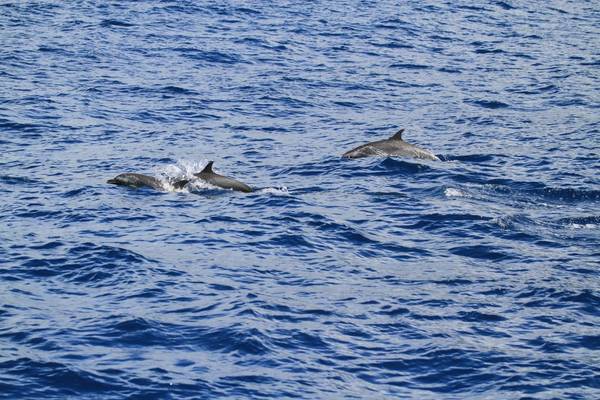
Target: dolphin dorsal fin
[208,168]
[398,135]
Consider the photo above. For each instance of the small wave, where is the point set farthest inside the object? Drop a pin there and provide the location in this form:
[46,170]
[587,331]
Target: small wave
[449,70]
[585,300]
[504,5]
[87,264]
[54,376]
[48,245]
[409,66]
[394,164]
[21,126]
[591,222]
[48,49]
[214,56]
[76,192]
[392,45]
[529,90]
[491,104]
[483,252]
[489,51]
[176,90]
[107,23]
[13,180]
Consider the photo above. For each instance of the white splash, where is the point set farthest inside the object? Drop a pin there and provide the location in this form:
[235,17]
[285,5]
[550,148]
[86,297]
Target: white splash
[574,226]
[277,191]
[452,192]
[184,169]
[504,221]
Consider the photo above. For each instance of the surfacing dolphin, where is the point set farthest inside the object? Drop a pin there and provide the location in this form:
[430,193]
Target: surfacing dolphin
[221,181]
[394,146]
[139,180]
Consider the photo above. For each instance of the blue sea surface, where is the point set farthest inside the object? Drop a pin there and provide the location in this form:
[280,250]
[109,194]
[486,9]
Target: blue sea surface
[475,277]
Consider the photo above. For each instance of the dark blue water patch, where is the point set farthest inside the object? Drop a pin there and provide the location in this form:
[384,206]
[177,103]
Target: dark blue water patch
[393,165]
[472,8]
[410,66]
[534,90]
[530,190]
[522,55]
[294,242]
[39,214]
[176,90]
[79,192]
[592,220]
[479,317]
[22,127]
[439,221]
[475,158]
[110,23]
[504,5]
[48,245]
[289,101]
[86,264]
[585,301]
[18,180]
[450,70]
[453,365]
[576,101]
[214,56]
[348,104]
[53,50]
[552,193]
[594,63]
[56,377]
[588,301]
[489,51]
[588,342]
[393,45]
[404,84]
[134,332]
[547,346]
[490,104]
[483,252]
[237,341]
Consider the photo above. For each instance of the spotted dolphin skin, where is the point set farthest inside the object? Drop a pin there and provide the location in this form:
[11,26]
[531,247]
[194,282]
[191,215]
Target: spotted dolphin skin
[221,181]
[139,180]
[395,146]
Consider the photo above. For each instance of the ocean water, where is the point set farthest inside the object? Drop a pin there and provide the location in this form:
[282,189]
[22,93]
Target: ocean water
[474,277]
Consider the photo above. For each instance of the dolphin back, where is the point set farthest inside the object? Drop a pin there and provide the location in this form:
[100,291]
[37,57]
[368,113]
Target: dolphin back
[394,146]
[225,182]
[136,181]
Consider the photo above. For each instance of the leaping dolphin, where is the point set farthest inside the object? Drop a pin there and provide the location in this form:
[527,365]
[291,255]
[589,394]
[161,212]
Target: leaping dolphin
[139,180]
[221,181]
[394,146]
